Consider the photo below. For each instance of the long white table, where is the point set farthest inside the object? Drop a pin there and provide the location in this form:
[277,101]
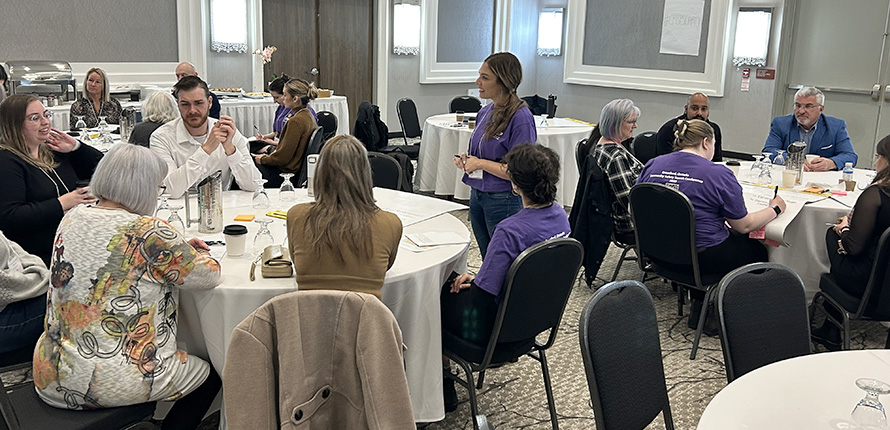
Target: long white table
[805,234]
[246,112]
[411,290]
[816,391]
[440,141]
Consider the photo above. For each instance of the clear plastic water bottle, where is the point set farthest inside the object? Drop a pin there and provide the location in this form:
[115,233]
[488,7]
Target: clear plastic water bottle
[848,172]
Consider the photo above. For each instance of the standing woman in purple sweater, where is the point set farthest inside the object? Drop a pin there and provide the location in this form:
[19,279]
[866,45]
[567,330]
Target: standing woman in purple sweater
[500,125]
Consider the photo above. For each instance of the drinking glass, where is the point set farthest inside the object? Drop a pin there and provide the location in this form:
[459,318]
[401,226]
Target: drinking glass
[263,237]
[81,124]
[287,193]
[107,140]
[260,198]
[163,205]
[869,412]
[780,158]
[103,125]
[175,221]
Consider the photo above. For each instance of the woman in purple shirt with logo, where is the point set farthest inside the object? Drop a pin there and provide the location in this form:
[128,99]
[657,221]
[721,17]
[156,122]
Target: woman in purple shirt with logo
[264,143]
[500,125]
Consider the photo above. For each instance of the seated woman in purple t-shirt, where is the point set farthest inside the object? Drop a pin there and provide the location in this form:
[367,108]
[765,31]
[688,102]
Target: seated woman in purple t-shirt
[716,198]
[500,125]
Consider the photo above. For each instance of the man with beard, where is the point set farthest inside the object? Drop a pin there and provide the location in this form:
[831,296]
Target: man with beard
[194,146]
[697,107]
[824,135]
[188,69]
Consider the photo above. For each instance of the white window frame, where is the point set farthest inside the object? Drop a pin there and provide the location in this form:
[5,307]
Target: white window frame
[549,50]
[228,26]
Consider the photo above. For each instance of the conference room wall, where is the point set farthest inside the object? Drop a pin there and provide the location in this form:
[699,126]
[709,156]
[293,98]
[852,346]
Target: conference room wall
[744,117]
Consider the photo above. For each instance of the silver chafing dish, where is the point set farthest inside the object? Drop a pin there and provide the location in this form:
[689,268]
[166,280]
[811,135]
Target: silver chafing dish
[42,78]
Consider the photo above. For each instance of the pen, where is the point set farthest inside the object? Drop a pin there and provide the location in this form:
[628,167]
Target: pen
[777,192]
[256,128]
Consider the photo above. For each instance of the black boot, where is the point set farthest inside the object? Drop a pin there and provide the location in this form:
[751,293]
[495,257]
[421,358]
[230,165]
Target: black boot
[450,395]
[828,335]
[710,328]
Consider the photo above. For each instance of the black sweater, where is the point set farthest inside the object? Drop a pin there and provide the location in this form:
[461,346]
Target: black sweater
[30,210]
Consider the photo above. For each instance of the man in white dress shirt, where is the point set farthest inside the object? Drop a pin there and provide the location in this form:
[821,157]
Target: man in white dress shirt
[194,146]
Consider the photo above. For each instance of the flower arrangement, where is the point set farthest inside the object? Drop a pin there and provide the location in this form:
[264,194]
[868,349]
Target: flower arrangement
[266,53]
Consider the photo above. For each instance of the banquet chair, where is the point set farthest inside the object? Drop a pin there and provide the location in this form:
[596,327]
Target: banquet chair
[465,104]
[316,142]
[22,409]
[763,315]
[407,112]
[644,146]
[535,294]
[875,301]
[317,359]
[618,332]
[328,122]
[664,226]
[385,171]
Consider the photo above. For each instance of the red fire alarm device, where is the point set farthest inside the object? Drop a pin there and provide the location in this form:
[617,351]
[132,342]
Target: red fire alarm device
[746,73]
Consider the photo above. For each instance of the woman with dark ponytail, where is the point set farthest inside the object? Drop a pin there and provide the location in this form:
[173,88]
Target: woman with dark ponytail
[500,126]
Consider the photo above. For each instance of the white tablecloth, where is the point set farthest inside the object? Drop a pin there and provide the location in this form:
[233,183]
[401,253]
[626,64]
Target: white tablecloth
[246,112]
[806,253]
[816,391]
[411,290]
[440,142]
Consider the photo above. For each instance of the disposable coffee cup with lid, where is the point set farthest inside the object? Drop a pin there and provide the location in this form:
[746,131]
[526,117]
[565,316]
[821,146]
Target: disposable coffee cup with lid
[236,238]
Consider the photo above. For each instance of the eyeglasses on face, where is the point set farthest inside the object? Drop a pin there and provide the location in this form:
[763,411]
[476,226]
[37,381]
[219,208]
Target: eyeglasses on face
[35,117]
[807,106]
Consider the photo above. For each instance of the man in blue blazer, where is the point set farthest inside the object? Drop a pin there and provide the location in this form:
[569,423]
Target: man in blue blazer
[825,136]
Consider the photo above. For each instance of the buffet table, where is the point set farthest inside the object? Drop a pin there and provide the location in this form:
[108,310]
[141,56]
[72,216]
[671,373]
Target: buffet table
[442,139]
[246,112]
[816,391]
[411,289]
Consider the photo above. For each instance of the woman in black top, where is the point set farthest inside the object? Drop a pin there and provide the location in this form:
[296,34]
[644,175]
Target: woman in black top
[39,169]
[95,102]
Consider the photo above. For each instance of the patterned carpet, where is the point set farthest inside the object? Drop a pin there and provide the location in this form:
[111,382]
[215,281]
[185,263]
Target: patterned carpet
[513,396]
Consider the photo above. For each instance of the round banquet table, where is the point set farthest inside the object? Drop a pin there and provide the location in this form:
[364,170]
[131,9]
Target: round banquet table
[441,141]
[805,235]
[411,291]
[816,391]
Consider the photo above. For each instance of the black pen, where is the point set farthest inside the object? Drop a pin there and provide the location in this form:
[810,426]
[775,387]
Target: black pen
[777,192]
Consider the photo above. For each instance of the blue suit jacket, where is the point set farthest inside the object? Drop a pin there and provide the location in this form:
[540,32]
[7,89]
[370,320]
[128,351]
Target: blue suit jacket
[830,140]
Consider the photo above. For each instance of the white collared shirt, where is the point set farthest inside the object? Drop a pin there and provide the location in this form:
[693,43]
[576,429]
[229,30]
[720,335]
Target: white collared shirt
[187,163]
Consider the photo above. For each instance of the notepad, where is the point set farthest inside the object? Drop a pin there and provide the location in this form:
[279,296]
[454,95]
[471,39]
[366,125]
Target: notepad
[436,238]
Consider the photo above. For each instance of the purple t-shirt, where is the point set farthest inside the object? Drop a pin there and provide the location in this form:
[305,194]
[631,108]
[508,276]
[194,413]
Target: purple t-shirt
[521,129]
[515,234]
[712,188]
[282,114]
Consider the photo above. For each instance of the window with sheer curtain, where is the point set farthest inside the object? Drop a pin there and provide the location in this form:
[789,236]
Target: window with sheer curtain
[228,25]
[406,28]
[550,32]
[752,37]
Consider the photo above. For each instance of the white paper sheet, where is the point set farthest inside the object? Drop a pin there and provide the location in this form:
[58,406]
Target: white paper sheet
[757,197]
[681,27]
[413,208]
[436,238]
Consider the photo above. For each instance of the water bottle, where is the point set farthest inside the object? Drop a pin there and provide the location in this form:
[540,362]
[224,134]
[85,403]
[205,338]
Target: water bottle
[848,172]
[311,162]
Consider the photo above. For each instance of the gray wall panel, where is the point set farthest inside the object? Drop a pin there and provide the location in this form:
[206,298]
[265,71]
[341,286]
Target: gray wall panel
[90,30]
[466,30]
[627,33]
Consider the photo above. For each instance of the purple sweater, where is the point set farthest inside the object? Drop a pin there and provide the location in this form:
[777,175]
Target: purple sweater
[521,129]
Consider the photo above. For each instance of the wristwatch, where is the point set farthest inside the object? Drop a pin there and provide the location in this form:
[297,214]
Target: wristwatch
[777,209]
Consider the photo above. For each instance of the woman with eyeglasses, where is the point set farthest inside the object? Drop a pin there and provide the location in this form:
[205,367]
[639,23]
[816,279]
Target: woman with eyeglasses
[40,168]
[96,101]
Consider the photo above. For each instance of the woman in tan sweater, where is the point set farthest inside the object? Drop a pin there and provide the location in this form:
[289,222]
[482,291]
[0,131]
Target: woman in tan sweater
[343,241]
[288,155]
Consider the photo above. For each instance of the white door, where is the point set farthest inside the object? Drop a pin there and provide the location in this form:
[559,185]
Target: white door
[841,48]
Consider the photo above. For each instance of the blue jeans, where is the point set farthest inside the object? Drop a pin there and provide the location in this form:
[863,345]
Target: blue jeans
[487,210]
[21,323]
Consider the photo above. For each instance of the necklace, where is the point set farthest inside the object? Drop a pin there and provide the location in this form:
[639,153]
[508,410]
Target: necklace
[56,184]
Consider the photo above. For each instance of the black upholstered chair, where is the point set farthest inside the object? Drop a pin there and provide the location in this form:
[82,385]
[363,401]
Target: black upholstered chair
[535,294]
[465,104]
[644,146]
[618,332]
[316,143]
[328,122]
[671,251]
[875,301]
[407,112]
[762,309]
[22,409]
[385,171]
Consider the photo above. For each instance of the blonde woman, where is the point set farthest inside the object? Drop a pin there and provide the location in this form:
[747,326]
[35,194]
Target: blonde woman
[96,101]
[288,155]
[343,241]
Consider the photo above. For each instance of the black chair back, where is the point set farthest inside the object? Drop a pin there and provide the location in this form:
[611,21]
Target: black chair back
[385,171]
[408,118]
[465,104]
[763,314]
[644,146]
[876,298]
[581,151]
[622,357]
[654,206]
[328,122]
[316,142]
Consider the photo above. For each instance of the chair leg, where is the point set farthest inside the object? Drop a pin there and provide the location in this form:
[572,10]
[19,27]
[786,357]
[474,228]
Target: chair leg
[481,379]
[549,389]
[680,297]
[471,389]
[846,327]
[620,262]
[701,323]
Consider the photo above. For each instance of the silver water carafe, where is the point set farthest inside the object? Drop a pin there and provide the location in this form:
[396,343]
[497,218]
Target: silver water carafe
[210,218]
[128,121]
[796,158]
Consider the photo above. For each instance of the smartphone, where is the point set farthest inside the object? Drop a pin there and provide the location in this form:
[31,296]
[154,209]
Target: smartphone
[81,184]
